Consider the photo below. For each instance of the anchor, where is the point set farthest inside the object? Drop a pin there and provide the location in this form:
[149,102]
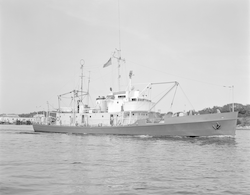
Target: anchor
[217,126]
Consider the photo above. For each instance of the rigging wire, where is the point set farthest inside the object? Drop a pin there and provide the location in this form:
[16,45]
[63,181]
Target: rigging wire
[51,106]
[177,75]
[173,99]
[187,97]
[66,98]
[159,94]
[91,99]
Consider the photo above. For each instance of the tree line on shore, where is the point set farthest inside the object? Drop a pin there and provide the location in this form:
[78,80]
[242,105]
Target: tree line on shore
[243,112]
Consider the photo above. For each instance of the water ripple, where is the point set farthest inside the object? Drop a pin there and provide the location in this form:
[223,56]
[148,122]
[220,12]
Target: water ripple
[40,163]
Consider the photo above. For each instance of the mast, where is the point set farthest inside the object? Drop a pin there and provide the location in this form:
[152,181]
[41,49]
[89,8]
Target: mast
[48,114]
[117,53]
[74,115]
[119,25]
[119,50]
[59,106]
[232,98]
[82,63]
[118,60]
[130,80]
[88,90]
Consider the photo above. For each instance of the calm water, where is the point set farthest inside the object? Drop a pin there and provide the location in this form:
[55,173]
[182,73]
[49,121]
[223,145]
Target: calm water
[41,163]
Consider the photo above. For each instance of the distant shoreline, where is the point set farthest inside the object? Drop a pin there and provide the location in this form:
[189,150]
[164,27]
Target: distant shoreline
[242,128]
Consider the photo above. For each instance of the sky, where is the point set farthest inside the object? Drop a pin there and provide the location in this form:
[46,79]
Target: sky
[202,44]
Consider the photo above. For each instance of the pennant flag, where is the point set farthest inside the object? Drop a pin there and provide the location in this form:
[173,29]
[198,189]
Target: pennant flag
[108,63]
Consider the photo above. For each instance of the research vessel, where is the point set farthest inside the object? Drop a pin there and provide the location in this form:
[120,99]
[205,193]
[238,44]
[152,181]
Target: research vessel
[131,112]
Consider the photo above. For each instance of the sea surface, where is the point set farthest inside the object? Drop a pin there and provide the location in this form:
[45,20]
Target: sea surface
[52,163]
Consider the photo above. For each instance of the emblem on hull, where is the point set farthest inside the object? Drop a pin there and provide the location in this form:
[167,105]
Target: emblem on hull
[216,126]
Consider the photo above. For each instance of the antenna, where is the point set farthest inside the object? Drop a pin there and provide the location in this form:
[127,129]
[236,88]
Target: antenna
[117,53]
[119,50]
[119,25]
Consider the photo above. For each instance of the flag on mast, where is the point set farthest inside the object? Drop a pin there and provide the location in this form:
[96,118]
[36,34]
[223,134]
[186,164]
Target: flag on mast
[108,63]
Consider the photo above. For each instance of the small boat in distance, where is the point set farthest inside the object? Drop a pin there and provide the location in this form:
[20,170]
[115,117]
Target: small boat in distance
[130,112]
